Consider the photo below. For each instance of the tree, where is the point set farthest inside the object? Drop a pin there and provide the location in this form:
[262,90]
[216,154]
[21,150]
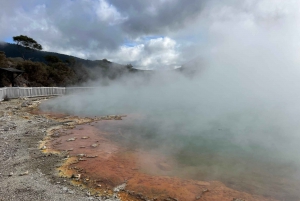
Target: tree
[27,42]
[52,59]
[129,66]
[3,61]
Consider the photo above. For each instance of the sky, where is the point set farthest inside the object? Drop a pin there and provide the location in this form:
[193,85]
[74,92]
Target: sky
[149,34]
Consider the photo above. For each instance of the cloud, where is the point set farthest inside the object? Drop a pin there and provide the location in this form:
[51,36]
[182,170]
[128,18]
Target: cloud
[158,16]
[179,31]
[93,29]
[68,26]
[156,53]
[107,12]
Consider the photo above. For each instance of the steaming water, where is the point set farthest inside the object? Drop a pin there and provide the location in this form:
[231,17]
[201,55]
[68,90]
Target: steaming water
[246,138]
[236,121]
[212,154]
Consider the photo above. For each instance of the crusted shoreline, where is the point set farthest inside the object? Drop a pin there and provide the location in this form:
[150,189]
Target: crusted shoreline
[32,171]
[26,173]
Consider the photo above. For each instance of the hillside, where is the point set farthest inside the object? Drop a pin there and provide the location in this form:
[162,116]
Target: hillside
[66,70]
[63,70]
[13,50]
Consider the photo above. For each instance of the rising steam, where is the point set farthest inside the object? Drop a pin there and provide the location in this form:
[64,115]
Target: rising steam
[238,116]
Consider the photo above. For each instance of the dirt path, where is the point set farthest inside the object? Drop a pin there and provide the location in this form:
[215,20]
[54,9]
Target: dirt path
[25,172]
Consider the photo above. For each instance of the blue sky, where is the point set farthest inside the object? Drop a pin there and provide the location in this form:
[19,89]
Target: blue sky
[9,40]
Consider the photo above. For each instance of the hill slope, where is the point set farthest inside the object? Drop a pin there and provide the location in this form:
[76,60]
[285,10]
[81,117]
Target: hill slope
[13,50]
[65,70]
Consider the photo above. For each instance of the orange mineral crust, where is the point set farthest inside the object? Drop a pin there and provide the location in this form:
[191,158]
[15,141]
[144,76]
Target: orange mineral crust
[100,163]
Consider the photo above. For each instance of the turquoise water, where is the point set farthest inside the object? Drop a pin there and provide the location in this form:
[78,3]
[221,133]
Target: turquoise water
[213,153]
[250,143]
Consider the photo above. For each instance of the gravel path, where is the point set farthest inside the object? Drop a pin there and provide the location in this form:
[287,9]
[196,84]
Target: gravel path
[25,172]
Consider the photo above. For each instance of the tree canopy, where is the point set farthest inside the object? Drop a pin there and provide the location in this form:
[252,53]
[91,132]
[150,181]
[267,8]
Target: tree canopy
[52,59]
[27,42]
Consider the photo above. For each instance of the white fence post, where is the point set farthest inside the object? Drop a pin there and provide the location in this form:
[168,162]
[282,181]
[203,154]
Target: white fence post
[2,93]
[17,92]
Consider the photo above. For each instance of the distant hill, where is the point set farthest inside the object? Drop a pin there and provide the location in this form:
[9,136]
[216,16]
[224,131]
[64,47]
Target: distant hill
[13,50]
[64,70]
[61,70]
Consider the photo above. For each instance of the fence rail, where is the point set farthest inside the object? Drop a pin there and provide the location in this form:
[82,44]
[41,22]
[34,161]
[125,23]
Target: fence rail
[17,92]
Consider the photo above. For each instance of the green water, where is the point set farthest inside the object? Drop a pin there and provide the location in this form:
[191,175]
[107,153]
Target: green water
[213,154]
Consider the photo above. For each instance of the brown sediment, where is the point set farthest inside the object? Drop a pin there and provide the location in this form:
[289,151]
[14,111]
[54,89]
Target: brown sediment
[100,164]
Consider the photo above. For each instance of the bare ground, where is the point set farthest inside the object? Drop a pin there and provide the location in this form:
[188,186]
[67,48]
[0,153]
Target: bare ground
[26,173]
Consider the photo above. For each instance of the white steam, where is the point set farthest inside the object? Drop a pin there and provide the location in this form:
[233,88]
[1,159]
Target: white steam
[246,101]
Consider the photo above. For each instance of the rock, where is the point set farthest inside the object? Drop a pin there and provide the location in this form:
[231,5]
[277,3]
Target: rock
[10,174]
[6,128]
[64,188]
[118,117]
[94,145]
[24,104]
[120,187]
[71,139]
[92,156]
[24,173]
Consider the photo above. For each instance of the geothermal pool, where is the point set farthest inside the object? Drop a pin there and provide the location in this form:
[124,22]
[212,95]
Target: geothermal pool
[163,161]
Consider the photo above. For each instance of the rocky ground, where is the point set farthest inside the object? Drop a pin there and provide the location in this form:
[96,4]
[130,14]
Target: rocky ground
[26,173]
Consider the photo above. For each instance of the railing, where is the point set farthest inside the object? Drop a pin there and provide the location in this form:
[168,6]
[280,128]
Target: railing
[17,92]
[2,93]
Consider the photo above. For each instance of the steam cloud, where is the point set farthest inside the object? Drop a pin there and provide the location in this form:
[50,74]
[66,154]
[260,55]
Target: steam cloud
[243,109]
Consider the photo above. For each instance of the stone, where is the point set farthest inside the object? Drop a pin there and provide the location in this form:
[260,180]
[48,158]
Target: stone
[94,145]
[120,187]
[24,173]
[24,104]
[71,139]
